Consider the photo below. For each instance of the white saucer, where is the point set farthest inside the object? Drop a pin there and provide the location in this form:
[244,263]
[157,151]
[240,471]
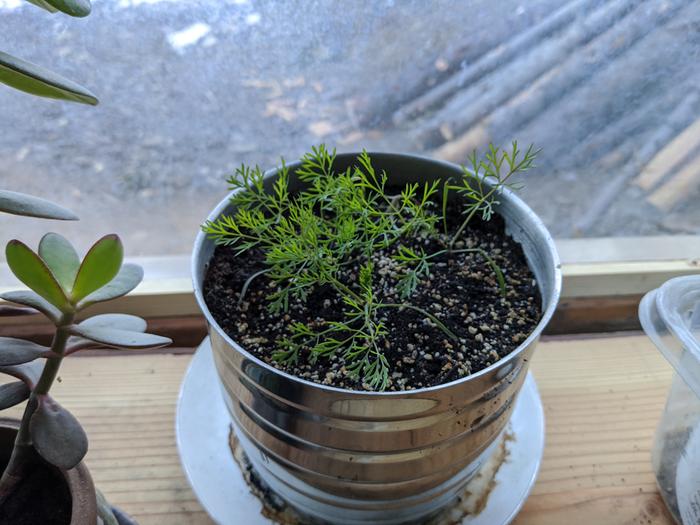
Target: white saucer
[203,424]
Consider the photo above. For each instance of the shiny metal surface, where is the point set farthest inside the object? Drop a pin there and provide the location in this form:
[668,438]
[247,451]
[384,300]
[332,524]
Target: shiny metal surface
[345,456]
[203,424]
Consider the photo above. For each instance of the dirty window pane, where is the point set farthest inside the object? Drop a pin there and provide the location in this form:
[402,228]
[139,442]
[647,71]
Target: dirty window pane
[190,89]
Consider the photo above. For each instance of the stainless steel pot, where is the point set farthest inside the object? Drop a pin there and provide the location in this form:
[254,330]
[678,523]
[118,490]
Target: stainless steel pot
[349,457]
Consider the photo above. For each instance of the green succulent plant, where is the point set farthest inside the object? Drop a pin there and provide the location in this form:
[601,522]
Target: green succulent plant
[37,80]
[61,286]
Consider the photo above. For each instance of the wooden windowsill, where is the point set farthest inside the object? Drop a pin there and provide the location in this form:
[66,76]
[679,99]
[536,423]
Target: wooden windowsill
[603,281]
[602,396]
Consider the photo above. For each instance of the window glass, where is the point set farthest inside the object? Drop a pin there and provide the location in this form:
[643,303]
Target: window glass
[191,89]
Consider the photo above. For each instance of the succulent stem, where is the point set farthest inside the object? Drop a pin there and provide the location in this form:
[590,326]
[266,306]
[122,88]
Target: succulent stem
[23,453]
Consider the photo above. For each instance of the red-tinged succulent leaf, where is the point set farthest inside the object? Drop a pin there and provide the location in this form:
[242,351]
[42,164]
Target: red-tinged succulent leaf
[29,373]
[120,338]
[100,265]
[7,310]
[33,300]
[61,258]
[128,278]
[30,206]
[130,323]
[12,394]
[17,351]
[32,271]
[56,434]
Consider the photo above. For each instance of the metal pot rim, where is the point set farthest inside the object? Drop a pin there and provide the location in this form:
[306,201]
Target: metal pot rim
[507,194]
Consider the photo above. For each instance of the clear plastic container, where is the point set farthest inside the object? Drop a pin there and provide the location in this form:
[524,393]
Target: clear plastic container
[670,316]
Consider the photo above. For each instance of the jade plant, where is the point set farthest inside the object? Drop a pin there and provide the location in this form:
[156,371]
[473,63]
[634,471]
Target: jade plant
[39,81]
[36,80]
[337,221]
[61,287]
[16,203]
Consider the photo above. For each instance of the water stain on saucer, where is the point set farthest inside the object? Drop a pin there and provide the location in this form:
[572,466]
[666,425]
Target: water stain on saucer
[475,496]
[470,503]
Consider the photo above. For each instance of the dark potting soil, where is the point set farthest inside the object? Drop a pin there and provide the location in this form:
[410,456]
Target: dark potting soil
[42,498]
[461,291]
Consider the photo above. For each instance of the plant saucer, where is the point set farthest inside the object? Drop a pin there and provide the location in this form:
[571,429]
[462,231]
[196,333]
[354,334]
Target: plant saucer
[203,427]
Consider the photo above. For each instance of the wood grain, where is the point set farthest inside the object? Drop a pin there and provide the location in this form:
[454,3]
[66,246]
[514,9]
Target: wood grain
[602,397]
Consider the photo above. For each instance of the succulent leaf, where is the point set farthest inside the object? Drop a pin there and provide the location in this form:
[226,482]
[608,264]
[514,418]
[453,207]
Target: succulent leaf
[29,373]
[33,300]
[56,434]
[126,322]
[17,351]
[30,206]
[122,322]
[100,265]
[8,310]
[12,394]
[61,258]
[76,343]
[119,322]
[77,8]
[44,5]
[120,338]
[36,80]
[29,268]
[128,278]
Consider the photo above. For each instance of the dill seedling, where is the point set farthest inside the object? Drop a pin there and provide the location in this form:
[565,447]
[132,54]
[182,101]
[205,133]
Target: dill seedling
[485,179]
[310,236]
[337,221]
[417,265]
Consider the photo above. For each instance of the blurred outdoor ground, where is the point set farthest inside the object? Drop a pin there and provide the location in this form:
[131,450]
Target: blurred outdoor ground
[191,89]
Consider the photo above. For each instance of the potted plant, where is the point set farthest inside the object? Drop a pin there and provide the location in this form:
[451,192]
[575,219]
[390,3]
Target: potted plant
[41,455]
[372,317]
[44,481]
